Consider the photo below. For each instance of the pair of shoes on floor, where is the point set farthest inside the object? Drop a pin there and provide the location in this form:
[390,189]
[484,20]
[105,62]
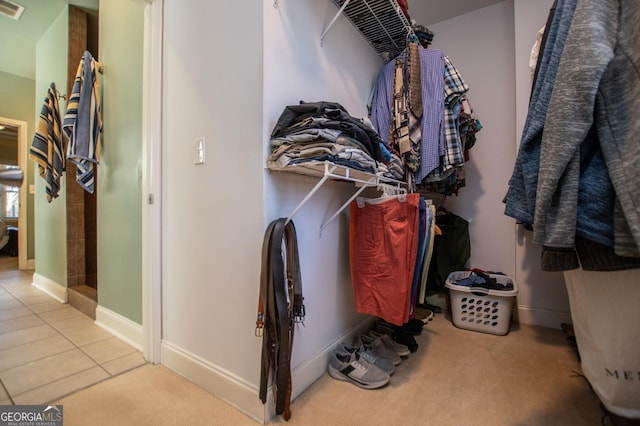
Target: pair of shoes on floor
[398,334]
[428,313]
[398,348]
[413,326]
[378,347]
[352,367]
[361,351]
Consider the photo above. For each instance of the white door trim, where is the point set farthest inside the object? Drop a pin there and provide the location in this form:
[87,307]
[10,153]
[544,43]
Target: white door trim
[152,181]
[24,192]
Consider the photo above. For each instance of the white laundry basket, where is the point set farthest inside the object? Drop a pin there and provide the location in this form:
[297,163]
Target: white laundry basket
[481,309]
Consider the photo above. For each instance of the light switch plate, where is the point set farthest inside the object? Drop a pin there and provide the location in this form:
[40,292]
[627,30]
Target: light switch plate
[198,151]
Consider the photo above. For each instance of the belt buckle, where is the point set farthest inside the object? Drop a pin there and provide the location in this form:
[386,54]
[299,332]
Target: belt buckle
[299,314]
[259,332]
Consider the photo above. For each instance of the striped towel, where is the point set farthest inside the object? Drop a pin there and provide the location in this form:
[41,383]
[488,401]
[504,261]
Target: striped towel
[82,122]
[47,148]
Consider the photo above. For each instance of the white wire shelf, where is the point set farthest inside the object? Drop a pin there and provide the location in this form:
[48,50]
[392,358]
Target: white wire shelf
[381,22]
[326,170]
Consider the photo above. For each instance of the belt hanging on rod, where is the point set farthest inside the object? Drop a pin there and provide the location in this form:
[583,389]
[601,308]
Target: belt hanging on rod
[280,306]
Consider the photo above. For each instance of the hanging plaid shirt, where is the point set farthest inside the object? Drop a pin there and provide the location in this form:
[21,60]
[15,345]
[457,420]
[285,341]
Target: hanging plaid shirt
[433,93]
[451,150]
[454,89]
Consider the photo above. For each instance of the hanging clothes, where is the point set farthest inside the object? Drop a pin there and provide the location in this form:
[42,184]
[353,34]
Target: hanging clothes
[83,122]
[576,174]
[598,72]
[451,251]
[47,148]
[383,244]
[521,195]
[432,230]
[437,134]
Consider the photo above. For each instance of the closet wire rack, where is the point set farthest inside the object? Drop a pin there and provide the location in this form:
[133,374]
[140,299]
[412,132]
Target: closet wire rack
[326,170]
[381,22]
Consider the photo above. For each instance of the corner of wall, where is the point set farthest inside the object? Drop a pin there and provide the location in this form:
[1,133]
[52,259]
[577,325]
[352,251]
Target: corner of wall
[123,328]
[541,317]
[243,396]
[50,287]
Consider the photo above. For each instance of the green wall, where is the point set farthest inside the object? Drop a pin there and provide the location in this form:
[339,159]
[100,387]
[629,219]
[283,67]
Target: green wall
[17,95]
[17,101]
[18,54]
[50,218]
[119,172]
[119,215]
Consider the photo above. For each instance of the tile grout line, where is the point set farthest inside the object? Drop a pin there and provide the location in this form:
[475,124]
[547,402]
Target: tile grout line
[75,346]
[59,333]
[111,376]
[7,392]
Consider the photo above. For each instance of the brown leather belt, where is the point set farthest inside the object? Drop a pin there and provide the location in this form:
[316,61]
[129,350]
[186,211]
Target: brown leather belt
[280,306]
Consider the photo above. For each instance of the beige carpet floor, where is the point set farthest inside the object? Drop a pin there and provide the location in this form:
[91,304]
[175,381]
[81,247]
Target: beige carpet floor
[457,377]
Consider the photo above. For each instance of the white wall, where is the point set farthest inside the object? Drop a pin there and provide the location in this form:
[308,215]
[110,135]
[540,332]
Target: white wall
[213,213]
[218,85]
[543,296]
[297,68]
[481,44]
[491,48]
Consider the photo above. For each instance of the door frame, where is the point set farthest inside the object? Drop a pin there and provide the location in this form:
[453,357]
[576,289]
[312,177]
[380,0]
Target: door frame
[152,180]
[24,200]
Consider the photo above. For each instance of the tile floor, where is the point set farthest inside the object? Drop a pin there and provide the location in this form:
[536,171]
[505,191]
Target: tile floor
[49,349]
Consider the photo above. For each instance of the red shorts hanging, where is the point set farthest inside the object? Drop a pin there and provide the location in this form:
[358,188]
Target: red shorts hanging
[383,240]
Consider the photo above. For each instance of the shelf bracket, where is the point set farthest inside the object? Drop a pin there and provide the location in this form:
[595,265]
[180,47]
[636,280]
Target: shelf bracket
[326,30]
[345,205]
[331,171]
[313,191]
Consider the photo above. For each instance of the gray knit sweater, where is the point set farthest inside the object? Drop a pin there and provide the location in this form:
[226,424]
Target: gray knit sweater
[598,82]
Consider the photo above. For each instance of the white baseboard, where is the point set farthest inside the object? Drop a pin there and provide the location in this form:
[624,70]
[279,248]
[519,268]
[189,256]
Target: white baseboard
[52,288]
[242,395]
[311,369]
[31,264]
[215,380]
[123,328]
[542,317]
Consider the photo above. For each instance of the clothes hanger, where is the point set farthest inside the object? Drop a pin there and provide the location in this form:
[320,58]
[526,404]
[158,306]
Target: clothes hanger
[388,192]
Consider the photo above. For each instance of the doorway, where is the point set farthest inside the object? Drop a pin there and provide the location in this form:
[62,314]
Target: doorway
[13,200]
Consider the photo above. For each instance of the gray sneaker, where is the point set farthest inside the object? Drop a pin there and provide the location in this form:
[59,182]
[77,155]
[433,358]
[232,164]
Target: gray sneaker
[354,369]
[398,348]
[381,350]
[383,364]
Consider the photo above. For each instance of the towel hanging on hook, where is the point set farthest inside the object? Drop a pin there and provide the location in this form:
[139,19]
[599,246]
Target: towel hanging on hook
[47,148]
[82,122]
